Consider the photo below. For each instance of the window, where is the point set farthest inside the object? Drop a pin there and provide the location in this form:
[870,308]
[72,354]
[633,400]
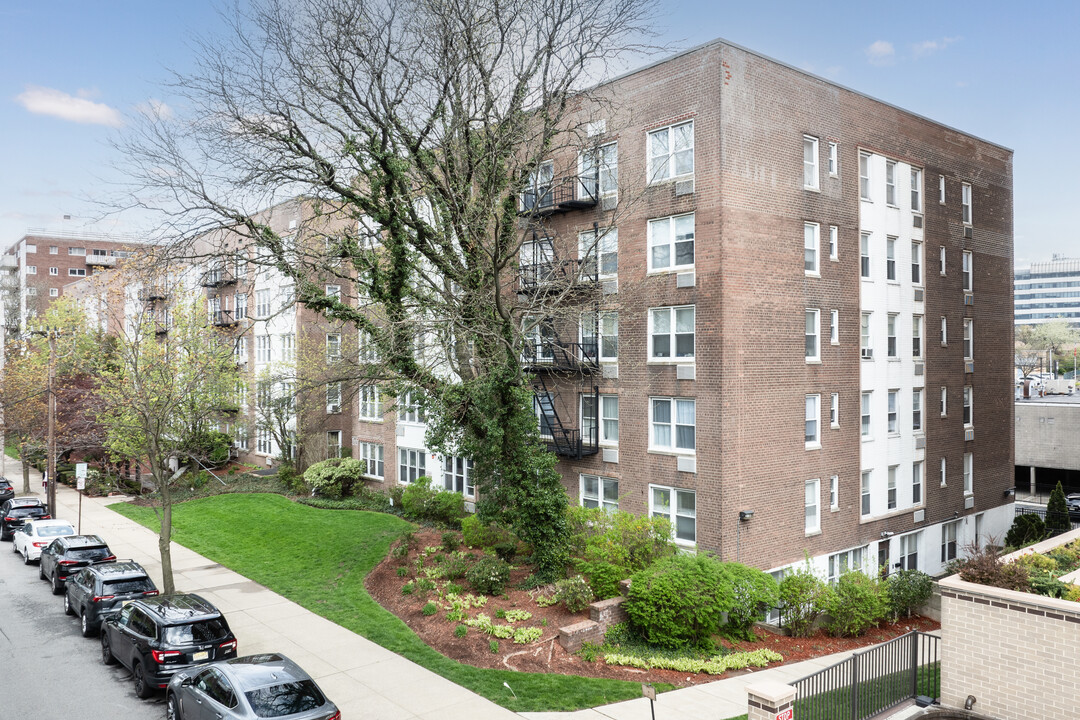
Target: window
[590,433]
[890,182]
[890,342]
[32,270]
[834,327]
[411,464]
[369,403]
[671,327]
[54,292]
[944,331]
[240,302]
[333,443]
[864,176]
[31,291]
[916,336]
[891,489]
[965,202]
[263,443]
[813,331]
[967,406]
[538,191]
[457,475]
[890,258]
[813,421]
[810,162]
[865,419]
[333,398]
[671,242]
[52,271]
[71,250]
[916,263]
[813,506]
[834,242]
[368,351]
[544,407]
[916,483]
[599,256]
[810,248]
[909,551]
[834,492]
[941,189]
[968,486]
[916,410]
[841,562]
[891,414]
[609,336]
[372,455]
[966,271]
[54,250]
[834,411]
[73,272]
[262,348]
[333,291]
[941,261]
[598,170]
[968,329]
[834,159]
[682,512]
[673,421]
[288,347]
[944,401]
[410,407]
[866,349]
[599,492]
[864,256]
[262,303]
[333,347]
[609,419]
[942,472]
[948,541]
[916,190]
[671,152]
[864,499]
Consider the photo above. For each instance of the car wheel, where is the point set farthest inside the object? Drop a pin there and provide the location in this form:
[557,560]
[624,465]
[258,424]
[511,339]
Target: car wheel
[13,548]
[172,708]
[68,610]
[87,628]
[41,571]
[142,688]
[26,557]
[107,657]
[57,583]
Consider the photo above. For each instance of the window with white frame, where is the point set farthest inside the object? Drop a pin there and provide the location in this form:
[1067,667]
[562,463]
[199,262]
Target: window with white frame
[841,562]
[834,159]
[333,347]
[240,303]
[967,406]
[916,336]
[892,412]
[864,493]
[813,506]
[944,331]
[590,431]
[333,397]
[262,348]
[890,258]
[71,250]
[31,269]
[864,426]
[412,464]
[673,422]
[54,250]
[368,396]
[812,422]
[671,242]
[410,407]
[538,192]
[943,476]
[671,333]
[834,492]
[941,189]
[288,347]
[240,436]
[458,475]
[609,336]
[834,411]
[671,152]
[368,352]
[968,482]
[890,336]
[544,407]
[909,551]
[969,327]
[864,256]
[74,272]
[965,202]
[813,335]
[916,410]
[263,443]
[262,303]
[916,190]
[600,492]
[834,327]
[54,271]
[333,291]
[966,270]
[810,162]
[599,256]
[944,401]
[916,483]
[598,170]
[864,176]
[867,350]
[31,291]
[609,417]
[890,489]
[333,443]
[678,506]
[916,263]
[54,292]
[834,242]
[372,455]
[941,261]
[811,242]
[948,541]
[890,182]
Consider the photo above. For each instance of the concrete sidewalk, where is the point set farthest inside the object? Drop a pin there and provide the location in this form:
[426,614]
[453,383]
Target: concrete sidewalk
[365,679]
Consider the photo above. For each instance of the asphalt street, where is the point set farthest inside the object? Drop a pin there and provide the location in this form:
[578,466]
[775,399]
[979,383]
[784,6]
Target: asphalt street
[47,669]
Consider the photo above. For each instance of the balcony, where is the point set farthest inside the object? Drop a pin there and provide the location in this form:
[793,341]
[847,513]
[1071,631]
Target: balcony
[216,278]
[222,318]
[556,355]
[102,260]
[541,270]
[561,440]
[152,293]
[574,192]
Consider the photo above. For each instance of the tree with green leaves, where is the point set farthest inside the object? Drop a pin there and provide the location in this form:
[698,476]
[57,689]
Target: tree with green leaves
[1057,512]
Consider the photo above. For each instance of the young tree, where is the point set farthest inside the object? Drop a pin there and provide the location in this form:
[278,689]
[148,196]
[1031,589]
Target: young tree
[424,122]
[1057,512]
[163,393]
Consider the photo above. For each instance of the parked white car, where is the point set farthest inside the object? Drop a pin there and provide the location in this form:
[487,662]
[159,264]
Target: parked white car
[29,539]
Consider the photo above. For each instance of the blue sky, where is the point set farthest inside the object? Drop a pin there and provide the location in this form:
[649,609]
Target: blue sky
[71,71]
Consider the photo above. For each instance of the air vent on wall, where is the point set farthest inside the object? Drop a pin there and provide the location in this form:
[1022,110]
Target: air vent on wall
[967,233]
[919,294]
[685,372]
[687,464]
[684,187]
[685,279]
[969,502]
[611,455]
[916,221]
[919,368]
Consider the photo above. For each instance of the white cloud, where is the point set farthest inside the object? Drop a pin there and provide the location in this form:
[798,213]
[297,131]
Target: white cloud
[929,47]
[881,52]
[155,109]
[57,103]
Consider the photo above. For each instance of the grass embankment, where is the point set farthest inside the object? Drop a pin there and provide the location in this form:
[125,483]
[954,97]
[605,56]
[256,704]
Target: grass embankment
[319,558]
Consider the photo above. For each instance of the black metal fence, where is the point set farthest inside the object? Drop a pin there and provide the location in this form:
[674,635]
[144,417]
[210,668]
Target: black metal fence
[1046,515]
[872,680]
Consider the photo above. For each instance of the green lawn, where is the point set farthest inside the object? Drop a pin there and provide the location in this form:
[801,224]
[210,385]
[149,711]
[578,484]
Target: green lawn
[319,558]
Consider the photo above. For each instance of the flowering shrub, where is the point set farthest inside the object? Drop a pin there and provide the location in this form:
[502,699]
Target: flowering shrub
[488,575]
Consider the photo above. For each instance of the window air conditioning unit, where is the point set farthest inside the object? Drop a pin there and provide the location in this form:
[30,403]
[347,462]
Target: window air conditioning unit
[969,434]
[969,299]
[333,409]
[292,224]
[867,353]
[916,221]
[967,232]
[969,366]
[919,295]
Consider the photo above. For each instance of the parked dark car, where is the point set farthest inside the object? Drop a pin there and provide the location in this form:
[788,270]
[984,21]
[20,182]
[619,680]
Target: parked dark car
[7,492]
[100,591]
[1073,503]
[256,686]
[157,637]
[16,511]
[66,556]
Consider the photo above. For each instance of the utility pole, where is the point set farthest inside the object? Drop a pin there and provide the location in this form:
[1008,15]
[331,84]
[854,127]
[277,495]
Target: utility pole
[50,490]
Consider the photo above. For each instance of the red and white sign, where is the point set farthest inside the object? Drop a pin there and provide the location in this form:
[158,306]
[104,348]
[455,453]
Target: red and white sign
[788,714]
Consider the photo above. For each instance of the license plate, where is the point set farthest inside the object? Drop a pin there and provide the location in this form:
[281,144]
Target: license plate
[204,655]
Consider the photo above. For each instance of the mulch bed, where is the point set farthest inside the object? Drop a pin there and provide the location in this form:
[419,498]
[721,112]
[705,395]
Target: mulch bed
[546,655]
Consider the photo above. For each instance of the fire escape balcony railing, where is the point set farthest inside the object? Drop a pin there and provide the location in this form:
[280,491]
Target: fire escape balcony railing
[553,354]
[216,278]
[222,318]
[562,440]
[573,192]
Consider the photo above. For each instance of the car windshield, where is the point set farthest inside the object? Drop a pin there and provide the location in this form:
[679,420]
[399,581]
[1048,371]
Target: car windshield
[196,633]
[285,699]
[91,553]
[130,585]
[26,511]
[54,531]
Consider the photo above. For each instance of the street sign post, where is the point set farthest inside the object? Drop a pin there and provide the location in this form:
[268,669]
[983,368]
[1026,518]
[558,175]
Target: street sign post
[80,485]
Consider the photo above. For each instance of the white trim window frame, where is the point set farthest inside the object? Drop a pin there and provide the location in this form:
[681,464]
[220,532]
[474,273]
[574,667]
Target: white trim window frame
[917,483]
[812,336]
[671,334]
[369,409]
[834,159]
[603,163]
[412,464]
[834,327]
[333,347]
[372,455]
[965,203]
[333,443]
[333,398]
[679,507]
[943,471]
[599,253]
[916,190]
[812,507]
[597,491]
[890,183]
[834,411]
[609,420]
[941,261]
[916,336]
[864,493]
[864,176]
[968,407]
[864,256]
[966,270]
[944,401]
[672,423]
[916,263]
[609,336]
[969,482]
[891,344]
[671,243]
[890,489]
[865,424]
[670,151]
[948,541]
[909,551]
[410,408]
[941,189]
[969,335]
[834,493]
[866,344]
[944,331]
[893,412]
[810,163]
[890,258]
[834,243]
[458,475]
[812,422]
[916,410]
[812,249]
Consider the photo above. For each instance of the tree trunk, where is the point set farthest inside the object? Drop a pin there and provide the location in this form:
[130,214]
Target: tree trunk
[165,540]
[25,477]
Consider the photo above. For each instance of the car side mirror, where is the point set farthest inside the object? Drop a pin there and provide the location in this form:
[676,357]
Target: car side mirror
[186,682]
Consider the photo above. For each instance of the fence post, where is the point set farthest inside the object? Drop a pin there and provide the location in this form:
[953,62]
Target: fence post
[854,686]
[915,663]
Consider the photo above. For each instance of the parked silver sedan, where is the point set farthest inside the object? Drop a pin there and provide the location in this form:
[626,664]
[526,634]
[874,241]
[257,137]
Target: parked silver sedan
[245,688]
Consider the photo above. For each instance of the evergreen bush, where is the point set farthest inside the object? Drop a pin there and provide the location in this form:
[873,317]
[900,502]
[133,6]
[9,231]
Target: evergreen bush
[1025,530]
[1057,512]
[679,600]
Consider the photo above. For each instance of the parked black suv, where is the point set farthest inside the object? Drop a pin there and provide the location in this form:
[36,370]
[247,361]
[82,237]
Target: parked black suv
[100,591]
[16,511]
[65,556]
[7,492]
[158,636]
